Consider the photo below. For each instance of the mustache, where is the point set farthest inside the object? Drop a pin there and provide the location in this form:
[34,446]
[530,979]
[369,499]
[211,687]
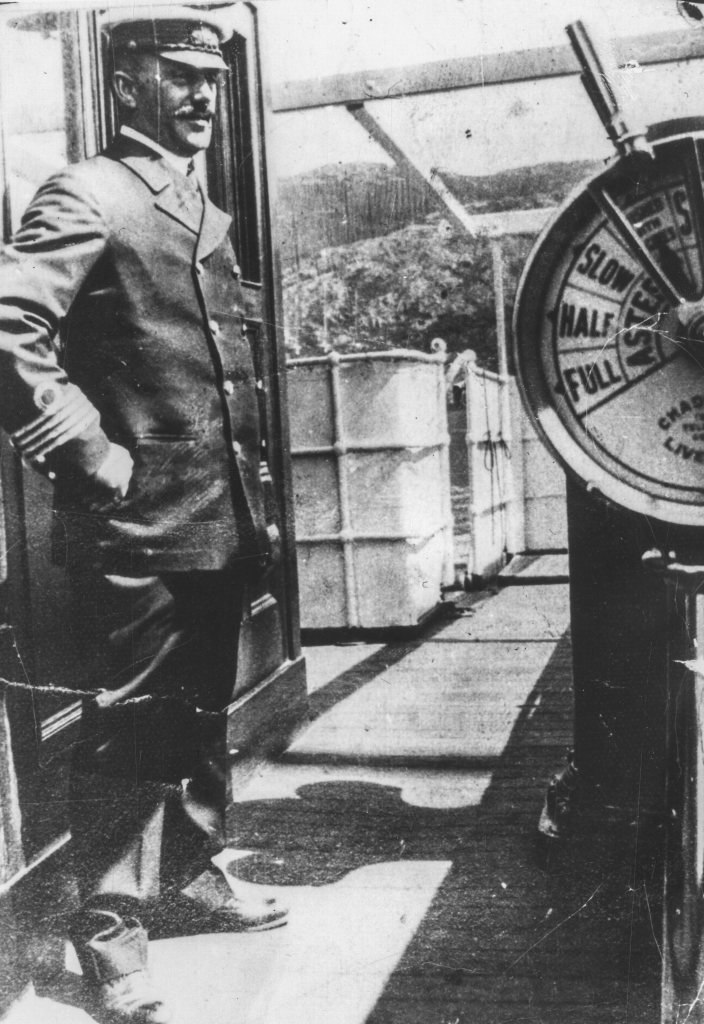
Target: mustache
[191,113]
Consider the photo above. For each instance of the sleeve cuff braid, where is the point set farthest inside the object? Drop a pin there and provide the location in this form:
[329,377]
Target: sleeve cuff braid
[65,414]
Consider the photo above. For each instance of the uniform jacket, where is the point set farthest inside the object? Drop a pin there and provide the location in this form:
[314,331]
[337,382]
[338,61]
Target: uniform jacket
[114,283]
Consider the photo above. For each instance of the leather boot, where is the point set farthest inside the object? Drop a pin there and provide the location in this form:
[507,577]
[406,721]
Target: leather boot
[112,951]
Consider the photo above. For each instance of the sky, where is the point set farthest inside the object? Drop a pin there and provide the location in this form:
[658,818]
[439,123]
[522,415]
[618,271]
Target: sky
[309,38]
[510,125]
[470,131]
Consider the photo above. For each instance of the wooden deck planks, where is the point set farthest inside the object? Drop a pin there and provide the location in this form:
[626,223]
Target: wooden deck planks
[401,828]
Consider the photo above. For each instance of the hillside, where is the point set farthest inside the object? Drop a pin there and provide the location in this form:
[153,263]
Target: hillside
[522,188]
[399,291]
[339,204]
[370,264]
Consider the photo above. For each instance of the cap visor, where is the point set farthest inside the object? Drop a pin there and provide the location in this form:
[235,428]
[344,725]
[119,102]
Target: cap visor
[202,61]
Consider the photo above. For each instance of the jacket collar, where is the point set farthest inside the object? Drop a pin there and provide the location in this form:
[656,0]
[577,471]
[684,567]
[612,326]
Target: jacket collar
[180,163]
[142,161]
[171,198]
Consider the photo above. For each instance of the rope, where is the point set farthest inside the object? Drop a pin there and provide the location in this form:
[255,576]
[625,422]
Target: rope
[490,447]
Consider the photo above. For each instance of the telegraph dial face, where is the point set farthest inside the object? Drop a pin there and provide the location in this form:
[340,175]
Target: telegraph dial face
[609,329]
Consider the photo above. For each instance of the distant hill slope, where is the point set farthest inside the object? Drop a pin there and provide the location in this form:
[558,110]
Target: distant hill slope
[521,188]
[369,262]
[399,291]
[339,204]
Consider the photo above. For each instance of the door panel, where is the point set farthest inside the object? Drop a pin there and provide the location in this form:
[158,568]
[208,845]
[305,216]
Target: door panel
[47,121]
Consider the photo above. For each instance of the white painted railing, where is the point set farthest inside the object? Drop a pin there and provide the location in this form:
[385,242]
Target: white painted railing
[491,497]
[513,490]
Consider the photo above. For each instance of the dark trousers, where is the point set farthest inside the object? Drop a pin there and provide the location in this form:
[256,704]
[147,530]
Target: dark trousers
[150,764]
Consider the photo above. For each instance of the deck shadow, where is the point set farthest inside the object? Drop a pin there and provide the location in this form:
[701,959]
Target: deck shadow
[508,937]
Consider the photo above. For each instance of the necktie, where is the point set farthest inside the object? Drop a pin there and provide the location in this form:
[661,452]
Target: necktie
[191,175]
[191,195]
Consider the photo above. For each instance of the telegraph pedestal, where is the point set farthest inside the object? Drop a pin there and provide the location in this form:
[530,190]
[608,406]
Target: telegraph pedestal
[683,925]
[619,641]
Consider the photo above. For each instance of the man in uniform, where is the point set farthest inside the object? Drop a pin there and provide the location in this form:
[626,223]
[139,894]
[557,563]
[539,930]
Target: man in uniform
[126,377]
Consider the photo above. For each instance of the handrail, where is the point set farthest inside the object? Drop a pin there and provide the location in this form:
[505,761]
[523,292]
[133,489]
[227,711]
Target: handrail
[333,358]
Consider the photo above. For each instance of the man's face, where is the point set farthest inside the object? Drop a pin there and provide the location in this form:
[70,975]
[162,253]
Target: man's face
[173,103]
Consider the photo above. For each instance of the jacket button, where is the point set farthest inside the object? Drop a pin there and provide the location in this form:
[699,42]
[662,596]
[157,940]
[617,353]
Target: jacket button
[228,387]
[235,270]
[237,447]
[214,327]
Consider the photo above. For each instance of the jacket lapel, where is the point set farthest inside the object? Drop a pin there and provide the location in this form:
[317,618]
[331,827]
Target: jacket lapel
[181,203]
[146,164]
[213,229]
[176,199]
[207,221]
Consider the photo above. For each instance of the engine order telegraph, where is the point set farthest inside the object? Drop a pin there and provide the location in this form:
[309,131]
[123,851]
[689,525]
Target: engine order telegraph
[609,321]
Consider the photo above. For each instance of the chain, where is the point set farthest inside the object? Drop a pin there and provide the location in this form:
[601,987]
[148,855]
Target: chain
[64,691]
